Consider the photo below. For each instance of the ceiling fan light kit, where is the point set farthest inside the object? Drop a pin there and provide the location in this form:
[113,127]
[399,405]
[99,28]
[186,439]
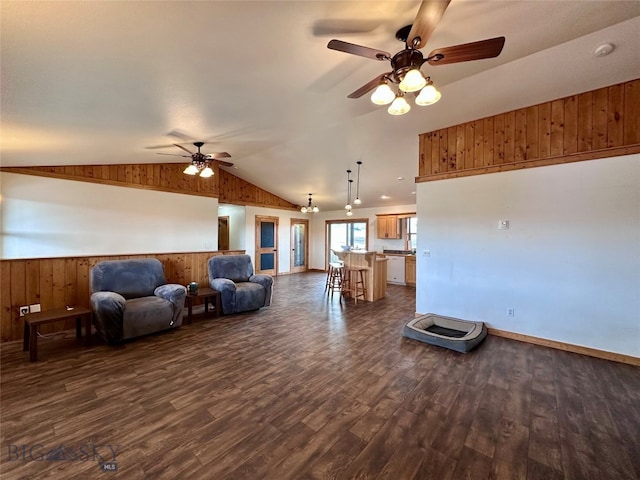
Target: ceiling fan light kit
[399,106]
[201,163]
[406,64]
[383,95]
[412,81]
[428,95]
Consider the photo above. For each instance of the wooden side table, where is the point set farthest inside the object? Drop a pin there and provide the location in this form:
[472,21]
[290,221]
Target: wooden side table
[32,322]
[207,294]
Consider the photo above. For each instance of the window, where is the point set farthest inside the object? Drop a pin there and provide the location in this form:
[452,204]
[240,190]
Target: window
[410,240]
[346,232]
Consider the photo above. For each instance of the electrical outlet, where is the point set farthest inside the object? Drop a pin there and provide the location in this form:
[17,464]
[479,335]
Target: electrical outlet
[24,310]
[511,312]
[35,308]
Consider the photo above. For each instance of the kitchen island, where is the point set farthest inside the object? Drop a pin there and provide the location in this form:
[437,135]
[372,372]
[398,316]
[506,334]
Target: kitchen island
[376,270]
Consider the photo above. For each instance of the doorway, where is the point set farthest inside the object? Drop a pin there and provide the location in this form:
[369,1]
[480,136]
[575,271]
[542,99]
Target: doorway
[223,233]
[267,245]
[299,245]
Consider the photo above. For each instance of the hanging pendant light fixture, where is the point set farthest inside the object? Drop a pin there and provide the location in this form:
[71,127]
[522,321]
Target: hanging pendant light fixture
[347,207]
[357,200]
[309,208]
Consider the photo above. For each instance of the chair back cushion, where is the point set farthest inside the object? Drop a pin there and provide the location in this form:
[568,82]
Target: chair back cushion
[130,278]
[237,268]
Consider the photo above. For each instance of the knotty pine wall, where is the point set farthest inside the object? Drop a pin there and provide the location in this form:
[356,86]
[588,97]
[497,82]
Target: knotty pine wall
[57,282]
[597,124]
[165,177]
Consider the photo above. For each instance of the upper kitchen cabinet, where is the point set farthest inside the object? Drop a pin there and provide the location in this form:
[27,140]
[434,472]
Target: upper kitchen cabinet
[389,227]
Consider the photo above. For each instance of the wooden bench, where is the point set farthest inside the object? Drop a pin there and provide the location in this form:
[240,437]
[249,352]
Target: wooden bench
[32,322]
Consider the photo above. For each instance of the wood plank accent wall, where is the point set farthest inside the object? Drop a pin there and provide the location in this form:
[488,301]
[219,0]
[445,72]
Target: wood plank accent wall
[58,282]
[237,191]
[597,124]
[165,177]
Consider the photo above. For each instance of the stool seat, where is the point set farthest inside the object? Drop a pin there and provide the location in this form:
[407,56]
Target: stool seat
[353,284]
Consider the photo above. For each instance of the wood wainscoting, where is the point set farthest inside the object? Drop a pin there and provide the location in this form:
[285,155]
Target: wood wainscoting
[597,124]
[58,282]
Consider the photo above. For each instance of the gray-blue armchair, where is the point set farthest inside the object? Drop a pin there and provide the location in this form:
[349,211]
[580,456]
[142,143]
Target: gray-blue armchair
[240,290]
[131,298]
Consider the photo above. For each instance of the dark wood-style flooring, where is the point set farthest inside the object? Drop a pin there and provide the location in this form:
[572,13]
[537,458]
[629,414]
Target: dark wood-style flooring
[312,388]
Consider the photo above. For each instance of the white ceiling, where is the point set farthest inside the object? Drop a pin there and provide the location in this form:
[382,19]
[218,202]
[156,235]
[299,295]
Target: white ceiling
[100,82]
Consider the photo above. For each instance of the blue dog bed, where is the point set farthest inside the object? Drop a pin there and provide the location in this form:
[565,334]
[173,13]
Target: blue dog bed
[452,333]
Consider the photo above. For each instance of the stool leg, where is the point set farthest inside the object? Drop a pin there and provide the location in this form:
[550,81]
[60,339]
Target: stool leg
[328,282]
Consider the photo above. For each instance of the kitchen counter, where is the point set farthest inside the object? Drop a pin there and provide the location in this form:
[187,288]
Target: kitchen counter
[376,270]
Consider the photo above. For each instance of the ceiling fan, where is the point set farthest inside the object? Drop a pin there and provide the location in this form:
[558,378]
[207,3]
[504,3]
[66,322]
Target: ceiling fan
[405,65]
[201,162]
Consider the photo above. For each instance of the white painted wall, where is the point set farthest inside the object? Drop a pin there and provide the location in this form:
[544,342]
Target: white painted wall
[47,217]
[569,265]
[237,225]
[318,239]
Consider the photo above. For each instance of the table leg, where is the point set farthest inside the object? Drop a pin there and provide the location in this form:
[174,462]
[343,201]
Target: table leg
[206,305]
[87,329]
[218,305]
[25,339]
[78,327]
[189,310]
[33,343]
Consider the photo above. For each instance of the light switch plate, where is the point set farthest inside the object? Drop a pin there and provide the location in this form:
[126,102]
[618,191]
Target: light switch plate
[503,224]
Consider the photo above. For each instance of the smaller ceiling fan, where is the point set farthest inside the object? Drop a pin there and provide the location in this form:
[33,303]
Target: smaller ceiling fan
[201,162]
[405,65]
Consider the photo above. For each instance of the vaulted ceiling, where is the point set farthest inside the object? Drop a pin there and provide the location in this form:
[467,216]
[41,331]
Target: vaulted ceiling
[119,82]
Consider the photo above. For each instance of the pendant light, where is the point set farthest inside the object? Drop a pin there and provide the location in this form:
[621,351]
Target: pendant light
[347,207]
[357,200]
[309,208]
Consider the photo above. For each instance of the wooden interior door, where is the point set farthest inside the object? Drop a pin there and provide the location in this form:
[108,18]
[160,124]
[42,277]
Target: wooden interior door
[299,245]
[266,245]
[223,233]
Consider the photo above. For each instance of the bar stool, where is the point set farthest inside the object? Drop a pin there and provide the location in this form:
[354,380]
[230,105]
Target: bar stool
[353,283]
[334,278]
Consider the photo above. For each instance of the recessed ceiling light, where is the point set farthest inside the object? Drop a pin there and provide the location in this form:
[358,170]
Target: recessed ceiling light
[413,193]
[603,50]
[384,197]
[400,178]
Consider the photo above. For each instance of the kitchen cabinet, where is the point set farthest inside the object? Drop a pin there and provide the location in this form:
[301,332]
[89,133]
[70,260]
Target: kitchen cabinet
[410,270]
[389,227]
[395,269]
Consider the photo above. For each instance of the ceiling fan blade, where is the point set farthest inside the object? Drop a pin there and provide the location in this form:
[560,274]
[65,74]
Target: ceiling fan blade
[217,155]
[224,164]
[343,27]
[173,155]
[466,52]
[368,86]
[183,148]
[354,49]
[427,18]
[181,135]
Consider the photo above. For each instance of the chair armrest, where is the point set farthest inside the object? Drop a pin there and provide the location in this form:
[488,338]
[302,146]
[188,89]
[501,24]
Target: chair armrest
[265,280]
[227,289]
[223,285]
[108,308]
[173,292]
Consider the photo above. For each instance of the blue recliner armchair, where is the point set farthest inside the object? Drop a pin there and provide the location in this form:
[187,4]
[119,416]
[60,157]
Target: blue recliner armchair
[240,290]
[131,298]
